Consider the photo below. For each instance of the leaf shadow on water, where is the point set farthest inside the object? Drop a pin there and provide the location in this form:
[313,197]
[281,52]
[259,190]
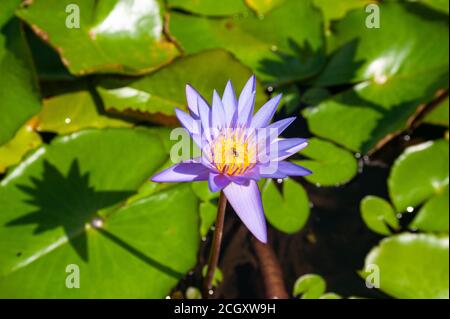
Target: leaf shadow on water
[65,201]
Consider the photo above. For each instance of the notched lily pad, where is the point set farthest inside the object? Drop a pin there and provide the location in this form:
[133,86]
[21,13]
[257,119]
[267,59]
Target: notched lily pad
[289,211]
[330,164]
[378,214]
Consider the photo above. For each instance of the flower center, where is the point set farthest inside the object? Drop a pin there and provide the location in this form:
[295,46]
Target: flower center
[232,152]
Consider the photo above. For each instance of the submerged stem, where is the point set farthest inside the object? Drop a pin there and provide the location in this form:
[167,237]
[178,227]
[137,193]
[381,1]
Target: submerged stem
[215,246]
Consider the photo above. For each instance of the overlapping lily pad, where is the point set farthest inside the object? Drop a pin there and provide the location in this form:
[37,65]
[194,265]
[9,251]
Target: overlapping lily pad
[24,141]
[19,94]
[330,164]
[412,266]
[73,111]
[111,37]
[162,91]
[394,76]
[61,207]
[276,48]
[288,211]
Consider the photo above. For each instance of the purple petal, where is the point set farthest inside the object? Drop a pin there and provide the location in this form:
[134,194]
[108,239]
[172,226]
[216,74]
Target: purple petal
[281,169]
[205,116]
[246,202]
[268,134]
[285,148]
[192,96]
[217,182]
[191,125]
[246,111]
[229,103]
[248,89]
[281,125]
[291,169]
[183,172]
[266,112]
[218,112]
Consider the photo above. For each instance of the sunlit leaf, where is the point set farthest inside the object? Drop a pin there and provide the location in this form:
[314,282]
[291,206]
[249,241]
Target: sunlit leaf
[412,266]
[25,140]
[74,111]
[162,91]
[394,77]
[51,219]
[309,286]
[378,213]
[284,46]
[120,36]
[287,211]
[420,173]
[330,164]
[433,216]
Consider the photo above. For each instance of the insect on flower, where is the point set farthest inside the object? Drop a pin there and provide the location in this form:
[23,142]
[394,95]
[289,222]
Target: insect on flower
[238,148]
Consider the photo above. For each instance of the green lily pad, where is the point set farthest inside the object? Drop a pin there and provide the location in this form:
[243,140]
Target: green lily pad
[53,207]
[377,214]
[287,212]
[361,53]
[201,189]
[440,115]
[151,94]
[330,164]
[433,216]
[19,95]
[284,46]
[394,78]
[334,10]
[263,7]
[7,8]
[330,295]
[412,265]
[73,111]
[420,173]
[210,7]
[309,286]
[24,141]
[112,36]
[208,213]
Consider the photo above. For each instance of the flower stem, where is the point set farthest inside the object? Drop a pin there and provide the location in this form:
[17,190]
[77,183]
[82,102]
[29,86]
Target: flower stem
[270,270]
[215,246]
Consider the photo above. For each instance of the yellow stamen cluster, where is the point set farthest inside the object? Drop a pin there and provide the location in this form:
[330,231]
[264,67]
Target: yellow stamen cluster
[232,152]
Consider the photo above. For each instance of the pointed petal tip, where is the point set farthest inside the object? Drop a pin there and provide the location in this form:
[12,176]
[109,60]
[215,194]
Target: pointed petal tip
[261,237]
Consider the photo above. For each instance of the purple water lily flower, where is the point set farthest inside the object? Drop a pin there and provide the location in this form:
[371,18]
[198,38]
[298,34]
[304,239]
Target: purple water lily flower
[238,148]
